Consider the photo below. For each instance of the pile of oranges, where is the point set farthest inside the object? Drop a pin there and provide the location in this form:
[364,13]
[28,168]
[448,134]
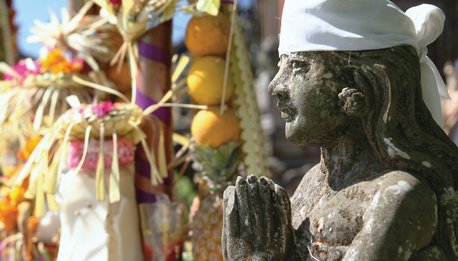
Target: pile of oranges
[214,129]
[207,40]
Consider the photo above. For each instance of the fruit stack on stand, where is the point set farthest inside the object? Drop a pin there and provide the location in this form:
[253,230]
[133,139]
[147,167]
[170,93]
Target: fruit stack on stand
[226,136]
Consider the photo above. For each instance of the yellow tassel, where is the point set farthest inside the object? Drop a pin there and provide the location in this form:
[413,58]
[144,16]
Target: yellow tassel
[40,110]
[40,197]
[115,193]
[154,172]
[85,147]
[61,158]
[52,107]
[33,183]
[6,99]
[162,157]
[133,70]
[50,176]
[150,109]
[182,63]
[36,185]
[52,203]
[99,173]
[180,139]
[100,88]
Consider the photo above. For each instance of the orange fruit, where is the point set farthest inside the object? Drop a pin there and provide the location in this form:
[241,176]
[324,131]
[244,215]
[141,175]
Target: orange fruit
[206,80]
[210,127]
[208,35]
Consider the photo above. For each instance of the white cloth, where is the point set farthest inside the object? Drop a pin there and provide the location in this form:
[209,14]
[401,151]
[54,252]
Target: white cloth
[350,25]
[98,230]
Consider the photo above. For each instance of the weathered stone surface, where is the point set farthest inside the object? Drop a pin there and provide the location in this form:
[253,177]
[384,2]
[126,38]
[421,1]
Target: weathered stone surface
[385,188]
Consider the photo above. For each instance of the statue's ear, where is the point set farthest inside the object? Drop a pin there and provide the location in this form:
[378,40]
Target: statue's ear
[352,102]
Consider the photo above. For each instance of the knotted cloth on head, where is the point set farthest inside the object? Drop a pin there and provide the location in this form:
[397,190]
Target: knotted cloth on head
[351,25]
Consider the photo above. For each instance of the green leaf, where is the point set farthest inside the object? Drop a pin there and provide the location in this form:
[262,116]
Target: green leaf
[210,7]
[184,190]
[217,163]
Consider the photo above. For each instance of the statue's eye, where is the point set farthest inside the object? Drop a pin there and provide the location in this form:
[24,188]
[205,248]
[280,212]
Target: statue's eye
[300,66]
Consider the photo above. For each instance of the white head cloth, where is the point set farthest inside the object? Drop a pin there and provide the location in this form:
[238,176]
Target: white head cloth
[350,25]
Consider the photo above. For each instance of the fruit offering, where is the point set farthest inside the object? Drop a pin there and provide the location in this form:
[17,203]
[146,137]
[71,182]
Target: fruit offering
[206,81]
[215,130]
[208,35]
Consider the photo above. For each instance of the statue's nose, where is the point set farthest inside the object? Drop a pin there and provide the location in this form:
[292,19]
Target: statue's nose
[277,88]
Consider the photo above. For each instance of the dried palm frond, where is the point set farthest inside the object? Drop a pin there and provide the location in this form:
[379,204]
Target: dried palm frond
[83,34]
[255,159]
[134,18]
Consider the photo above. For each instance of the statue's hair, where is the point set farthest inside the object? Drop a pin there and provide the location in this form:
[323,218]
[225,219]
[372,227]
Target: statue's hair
[401,130]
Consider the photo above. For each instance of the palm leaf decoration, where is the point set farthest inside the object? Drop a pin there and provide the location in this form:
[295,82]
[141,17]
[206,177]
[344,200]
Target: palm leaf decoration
[254,159]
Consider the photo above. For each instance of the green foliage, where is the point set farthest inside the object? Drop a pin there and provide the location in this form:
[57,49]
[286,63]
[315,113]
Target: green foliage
[184,190]
[217,163]
[217,166]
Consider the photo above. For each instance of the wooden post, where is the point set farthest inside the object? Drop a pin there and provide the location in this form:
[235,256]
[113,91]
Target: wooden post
[8,49]
[153,81]
[74,6]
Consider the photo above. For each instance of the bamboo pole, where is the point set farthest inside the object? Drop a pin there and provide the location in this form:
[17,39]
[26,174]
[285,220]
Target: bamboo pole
[153,81]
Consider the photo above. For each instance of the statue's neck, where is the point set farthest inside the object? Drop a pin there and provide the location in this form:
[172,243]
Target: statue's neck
[349,159]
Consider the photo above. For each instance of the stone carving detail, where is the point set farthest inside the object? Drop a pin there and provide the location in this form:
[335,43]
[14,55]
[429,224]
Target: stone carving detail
[385,188]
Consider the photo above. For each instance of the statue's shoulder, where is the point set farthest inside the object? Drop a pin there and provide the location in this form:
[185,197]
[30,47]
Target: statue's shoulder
[314,173]
[405,203]
[403,179]
[403,187]
[310,184]
[312,176]
[408,195]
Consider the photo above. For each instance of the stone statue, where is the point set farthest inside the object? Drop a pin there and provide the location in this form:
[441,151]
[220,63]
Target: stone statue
[385,186]
[355,80]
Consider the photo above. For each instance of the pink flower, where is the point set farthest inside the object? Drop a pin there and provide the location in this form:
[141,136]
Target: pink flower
[102,108]
[24,68]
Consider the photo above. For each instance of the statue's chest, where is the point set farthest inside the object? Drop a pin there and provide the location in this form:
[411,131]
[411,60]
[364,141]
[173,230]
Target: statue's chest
[336,217]
[336,220]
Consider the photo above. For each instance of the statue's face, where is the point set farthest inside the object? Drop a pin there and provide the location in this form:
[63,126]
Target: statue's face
[308,99]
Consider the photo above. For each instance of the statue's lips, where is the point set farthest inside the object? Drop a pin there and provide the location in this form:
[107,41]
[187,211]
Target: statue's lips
[287,113]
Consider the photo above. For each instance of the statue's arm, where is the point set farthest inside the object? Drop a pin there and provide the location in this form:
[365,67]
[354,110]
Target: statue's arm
[257,222]
[401,218]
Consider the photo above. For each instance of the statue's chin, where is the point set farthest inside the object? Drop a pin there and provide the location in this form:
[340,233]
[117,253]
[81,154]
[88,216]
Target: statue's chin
[292,134]
[299,136]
